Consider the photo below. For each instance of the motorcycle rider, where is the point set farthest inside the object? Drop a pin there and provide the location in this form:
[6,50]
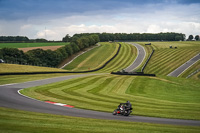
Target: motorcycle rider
[128,105]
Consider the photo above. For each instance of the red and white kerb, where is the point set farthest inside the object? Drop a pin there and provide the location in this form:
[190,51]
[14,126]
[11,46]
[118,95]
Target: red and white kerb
[60,104]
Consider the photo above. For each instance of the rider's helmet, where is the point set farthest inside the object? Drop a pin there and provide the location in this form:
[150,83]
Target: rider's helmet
[128,101]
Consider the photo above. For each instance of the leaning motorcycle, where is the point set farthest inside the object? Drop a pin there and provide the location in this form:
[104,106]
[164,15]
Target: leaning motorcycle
[122,110]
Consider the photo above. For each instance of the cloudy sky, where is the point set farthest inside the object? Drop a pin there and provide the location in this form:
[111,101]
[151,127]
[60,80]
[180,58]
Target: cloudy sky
[53,19]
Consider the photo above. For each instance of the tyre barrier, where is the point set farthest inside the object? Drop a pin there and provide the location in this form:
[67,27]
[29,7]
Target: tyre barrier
[133,73]
[26,73]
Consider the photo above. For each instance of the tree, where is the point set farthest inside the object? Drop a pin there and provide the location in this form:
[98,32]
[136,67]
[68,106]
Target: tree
[197,37]
[67,38]
[178,38]
[74,47]
[190,37]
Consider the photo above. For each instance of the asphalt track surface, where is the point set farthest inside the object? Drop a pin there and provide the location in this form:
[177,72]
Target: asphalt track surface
[185,66]
[139,59]
[10,98]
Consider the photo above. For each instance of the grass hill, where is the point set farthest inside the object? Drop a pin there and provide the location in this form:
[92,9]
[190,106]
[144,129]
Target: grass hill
[151,96]
[165,59]
[13,68]
[98,56]
[94,58]
[159,96]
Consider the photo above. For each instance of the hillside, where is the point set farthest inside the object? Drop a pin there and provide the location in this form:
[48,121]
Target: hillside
[14,68]
[165,59]
[98,56]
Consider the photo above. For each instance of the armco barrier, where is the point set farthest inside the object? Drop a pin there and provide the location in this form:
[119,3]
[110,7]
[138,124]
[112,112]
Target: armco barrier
[133,73]
[147,60]
[26,73]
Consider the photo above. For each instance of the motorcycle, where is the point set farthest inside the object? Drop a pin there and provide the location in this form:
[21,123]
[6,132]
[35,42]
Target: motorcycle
[122,110]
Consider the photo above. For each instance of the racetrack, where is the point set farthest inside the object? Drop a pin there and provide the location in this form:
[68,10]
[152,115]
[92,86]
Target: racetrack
[139,59]
[10,98]
[185,66]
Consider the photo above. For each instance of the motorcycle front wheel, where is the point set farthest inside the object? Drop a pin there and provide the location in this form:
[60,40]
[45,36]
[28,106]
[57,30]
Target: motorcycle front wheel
[114,112]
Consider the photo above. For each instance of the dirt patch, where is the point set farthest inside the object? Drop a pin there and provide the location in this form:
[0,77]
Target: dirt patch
[44,48]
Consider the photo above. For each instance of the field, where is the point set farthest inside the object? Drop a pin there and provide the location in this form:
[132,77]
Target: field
[43,47]
[8,68]
[165,60]
[151,96]
[124,59]
[94,58]
[98,56]
[26,45]
[15,121]
[159,96]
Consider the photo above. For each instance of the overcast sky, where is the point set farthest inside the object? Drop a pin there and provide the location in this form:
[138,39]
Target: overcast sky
[53,19]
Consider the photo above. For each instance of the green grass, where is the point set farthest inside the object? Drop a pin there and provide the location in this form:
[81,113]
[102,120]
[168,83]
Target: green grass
[190,70]
[125,58]
[164,45]
[11,68]
[151,96]
[94,58]
[15,121]
[166,60]
[25,45]
[8,79]
[98,56]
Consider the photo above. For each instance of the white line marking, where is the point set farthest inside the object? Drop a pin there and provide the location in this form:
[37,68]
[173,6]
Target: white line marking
[8,84]
[60,104]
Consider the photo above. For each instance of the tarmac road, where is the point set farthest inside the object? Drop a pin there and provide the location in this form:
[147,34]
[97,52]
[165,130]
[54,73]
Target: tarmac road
[10,98]
[139,59]
[185,66]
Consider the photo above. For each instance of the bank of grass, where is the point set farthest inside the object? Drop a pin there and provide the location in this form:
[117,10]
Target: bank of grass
[15,121]
[125,58]
[151,96]
[178,44]
[166,60]
[94,58]
[9,79]
[26,45]
[192,69]
[14,68]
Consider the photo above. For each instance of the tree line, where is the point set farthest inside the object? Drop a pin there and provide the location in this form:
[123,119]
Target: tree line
[48,58]
[4,39]
[170,36]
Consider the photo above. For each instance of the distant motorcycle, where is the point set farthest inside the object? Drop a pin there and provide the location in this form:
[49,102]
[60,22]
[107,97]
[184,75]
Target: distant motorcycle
[122,110]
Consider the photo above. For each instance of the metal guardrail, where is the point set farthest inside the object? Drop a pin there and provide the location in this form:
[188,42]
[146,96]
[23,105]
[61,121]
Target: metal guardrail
[148,60]
[193,73]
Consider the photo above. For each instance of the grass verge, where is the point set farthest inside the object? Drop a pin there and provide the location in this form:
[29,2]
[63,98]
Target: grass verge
[14,68]
[15,121]
[151,96]
[166,60]
[94,58]
[9,79]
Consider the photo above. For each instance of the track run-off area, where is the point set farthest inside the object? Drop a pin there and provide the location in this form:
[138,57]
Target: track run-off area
[11,97]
